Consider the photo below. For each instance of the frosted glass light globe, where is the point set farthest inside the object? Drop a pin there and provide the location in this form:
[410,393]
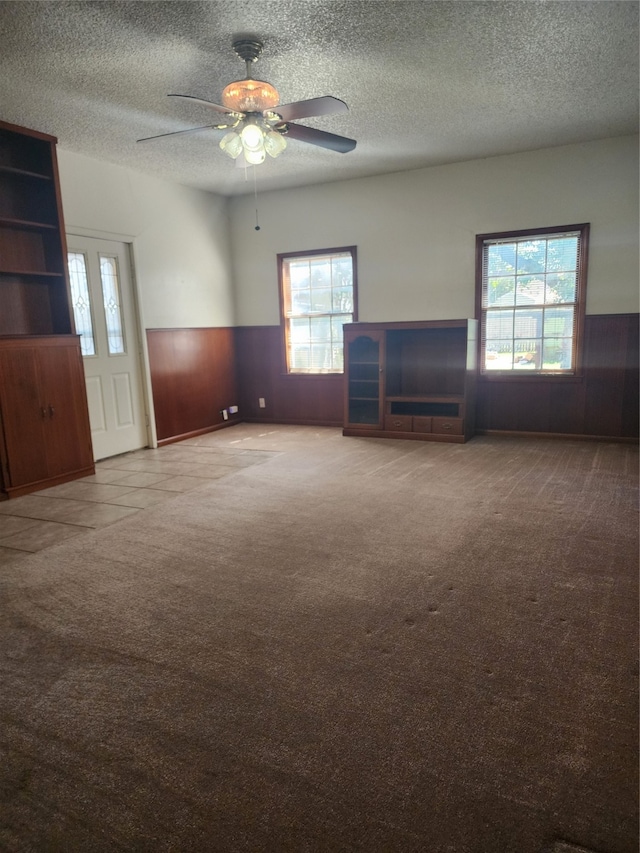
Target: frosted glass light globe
[274,143]
[231,144]
[254,157]
[252,137]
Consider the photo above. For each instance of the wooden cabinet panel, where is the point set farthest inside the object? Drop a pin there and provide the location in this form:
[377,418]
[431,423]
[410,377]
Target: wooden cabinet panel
[422,424]
[45,422]
[26,309]
[21,250]
[22,417]
[434,359]
[68,440]
[448,426]
[398,423]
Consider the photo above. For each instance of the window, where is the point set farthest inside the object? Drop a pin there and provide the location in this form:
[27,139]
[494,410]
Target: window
[318,295]
[531,298]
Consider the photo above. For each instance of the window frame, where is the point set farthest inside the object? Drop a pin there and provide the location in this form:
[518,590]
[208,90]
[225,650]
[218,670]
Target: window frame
[282,257]
[537,374]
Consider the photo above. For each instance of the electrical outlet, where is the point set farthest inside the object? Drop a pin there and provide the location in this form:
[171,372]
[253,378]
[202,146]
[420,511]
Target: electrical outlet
[233,410]
[261,402]
[225,415]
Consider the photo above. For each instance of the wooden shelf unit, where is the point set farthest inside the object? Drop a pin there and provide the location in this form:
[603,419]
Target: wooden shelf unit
[40,359]
[34,290]
[411,380]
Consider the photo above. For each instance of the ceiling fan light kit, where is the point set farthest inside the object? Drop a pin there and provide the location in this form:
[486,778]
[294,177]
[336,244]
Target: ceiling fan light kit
[256,138]
[257,123]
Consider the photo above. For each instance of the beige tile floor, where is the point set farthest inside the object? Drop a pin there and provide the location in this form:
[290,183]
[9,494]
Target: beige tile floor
[121,486]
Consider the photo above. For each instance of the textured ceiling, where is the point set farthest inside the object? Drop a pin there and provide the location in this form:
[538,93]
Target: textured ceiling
[426,82]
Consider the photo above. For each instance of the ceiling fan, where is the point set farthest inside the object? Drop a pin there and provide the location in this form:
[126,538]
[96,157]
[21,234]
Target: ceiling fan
[256,123]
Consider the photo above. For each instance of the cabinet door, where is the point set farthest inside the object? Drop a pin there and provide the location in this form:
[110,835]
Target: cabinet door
[68,443]
[24,417]
[364,379]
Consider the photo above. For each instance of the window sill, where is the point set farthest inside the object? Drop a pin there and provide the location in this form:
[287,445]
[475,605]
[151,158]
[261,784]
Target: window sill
[289,375]
[574,378]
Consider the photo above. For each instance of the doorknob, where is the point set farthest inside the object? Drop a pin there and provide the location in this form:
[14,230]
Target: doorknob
[52,411]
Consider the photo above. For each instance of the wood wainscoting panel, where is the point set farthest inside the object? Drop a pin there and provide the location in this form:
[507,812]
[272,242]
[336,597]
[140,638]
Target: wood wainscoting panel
[196,373]
[610,369]
[193,378]
[603,401]
[631,392]
[296,399]
[530,405]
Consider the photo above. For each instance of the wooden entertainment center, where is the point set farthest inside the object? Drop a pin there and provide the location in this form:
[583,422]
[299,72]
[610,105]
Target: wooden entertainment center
[45,437]
[411,380]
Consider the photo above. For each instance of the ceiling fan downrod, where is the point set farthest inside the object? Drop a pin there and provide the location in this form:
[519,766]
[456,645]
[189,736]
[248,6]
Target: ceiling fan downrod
[248,49]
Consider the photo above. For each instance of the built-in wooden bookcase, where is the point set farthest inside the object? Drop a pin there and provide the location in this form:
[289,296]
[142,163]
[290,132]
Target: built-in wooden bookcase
[34,293]
[45,434]
[411,380]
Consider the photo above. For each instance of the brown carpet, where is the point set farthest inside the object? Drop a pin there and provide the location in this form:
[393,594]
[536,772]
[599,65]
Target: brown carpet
[357,645]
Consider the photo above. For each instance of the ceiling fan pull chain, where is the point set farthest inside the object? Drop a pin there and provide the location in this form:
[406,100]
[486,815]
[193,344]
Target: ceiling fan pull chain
[255,194]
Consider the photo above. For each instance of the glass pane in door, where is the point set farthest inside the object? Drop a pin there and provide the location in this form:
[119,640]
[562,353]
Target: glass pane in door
[111,301]
[81,301]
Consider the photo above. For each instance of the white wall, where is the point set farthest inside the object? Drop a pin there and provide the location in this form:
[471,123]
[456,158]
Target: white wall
[415,231]
[180,238]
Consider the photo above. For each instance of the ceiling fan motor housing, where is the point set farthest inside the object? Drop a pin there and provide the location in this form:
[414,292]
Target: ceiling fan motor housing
[248,49]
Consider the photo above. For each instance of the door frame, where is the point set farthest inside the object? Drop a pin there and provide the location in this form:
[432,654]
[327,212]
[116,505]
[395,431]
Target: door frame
[143,350]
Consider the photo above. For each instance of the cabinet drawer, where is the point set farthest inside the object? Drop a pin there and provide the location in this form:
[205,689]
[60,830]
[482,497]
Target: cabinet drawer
[452,426]
[422,423]
[398,423]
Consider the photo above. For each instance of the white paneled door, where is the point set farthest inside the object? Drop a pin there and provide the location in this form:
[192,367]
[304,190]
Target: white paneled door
[104,311]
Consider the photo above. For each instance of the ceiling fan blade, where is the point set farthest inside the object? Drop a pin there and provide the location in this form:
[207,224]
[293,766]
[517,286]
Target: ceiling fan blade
[313,107]
[176,132]
[320,137]
[209,104]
